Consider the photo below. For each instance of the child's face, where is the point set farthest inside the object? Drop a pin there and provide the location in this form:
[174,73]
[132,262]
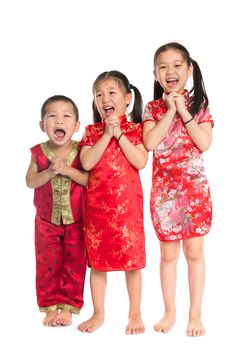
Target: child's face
[59,122]
[110,99]
[172,71]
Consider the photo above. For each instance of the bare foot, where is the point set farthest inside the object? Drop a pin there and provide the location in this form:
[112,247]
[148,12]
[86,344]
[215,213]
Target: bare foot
[195,327]
[92,324]
[135,326]
[49,318]
[166,323]
[64,318]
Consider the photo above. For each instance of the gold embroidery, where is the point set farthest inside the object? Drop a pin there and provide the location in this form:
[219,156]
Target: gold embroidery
[70,308]
[48,308]
[61,188]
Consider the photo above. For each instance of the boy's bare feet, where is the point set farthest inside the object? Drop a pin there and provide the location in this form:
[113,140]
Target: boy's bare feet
[135,326]
[92,324]
[166,323]
[195,327]
[49,318]
[64,318]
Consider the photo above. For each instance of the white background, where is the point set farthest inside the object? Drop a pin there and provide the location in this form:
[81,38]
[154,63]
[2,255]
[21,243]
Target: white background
[59,47]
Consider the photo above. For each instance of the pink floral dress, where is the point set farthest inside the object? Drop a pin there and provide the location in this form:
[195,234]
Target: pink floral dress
[180,200]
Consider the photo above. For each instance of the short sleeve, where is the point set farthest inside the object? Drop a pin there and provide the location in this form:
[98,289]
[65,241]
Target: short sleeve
[204,116]
[87,139]
[137,136]
[148,114]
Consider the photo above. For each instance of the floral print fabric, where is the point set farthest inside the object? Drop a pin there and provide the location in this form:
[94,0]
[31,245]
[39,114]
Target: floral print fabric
[180,200]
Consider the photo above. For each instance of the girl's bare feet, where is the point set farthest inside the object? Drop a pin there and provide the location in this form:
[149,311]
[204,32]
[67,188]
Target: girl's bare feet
[64,318]
[195,327]
[135,326]
[49,318]
[92,324]
[166,323]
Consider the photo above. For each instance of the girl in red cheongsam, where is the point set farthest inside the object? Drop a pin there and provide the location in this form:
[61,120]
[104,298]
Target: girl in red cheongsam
[56,176]
[113,152]
[177,128]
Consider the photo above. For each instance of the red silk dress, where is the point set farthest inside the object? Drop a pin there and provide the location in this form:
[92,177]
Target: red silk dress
[180,200]
[113,217]
[59,238]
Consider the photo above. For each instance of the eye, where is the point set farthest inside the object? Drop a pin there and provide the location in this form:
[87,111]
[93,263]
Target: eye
[162,67]
[98,95]
[178,65]
[67,116]
[112,92]
[51,116]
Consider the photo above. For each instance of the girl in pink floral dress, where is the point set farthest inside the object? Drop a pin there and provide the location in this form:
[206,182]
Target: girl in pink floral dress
[177,128]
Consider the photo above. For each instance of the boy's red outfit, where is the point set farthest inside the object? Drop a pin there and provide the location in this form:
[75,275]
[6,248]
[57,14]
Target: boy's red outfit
[59,239]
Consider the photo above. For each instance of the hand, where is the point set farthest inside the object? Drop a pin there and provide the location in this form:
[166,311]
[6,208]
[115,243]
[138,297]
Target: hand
[170,101]
[180,104]
[58,166]
[113,126]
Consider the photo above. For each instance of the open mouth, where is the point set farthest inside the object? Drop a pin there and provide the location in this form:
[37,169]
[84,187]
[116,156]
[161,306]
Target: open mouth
[109,111]
[59,134]
[172,82]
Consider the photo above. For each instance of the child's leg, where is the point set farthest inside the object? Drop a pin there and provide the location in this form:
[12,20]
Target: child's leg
[134,286]
[48,249]
[72,274]
[194,253]
[168,264]
[98,282]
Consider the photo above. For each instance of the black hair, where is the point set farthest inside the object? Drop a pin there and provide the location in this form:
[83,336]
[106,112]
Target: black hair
[122,80]
[56,98]
[198,93]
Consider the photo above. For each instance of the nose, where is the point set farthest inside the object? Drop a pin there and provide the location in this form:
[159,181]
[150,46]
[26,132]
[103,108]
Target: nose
[170,70]
[59,119]
[105,97]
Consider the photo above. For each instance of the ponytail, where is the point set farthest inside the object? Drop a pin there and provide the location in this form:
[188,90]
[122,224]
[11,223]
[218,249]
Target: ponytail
[199,99]
[136,114]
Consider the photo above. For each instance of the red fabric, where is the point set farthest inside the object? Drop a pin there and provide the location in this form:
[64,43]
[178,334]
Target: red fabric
[60,263]
[180,200]
[43,196]
[113,219]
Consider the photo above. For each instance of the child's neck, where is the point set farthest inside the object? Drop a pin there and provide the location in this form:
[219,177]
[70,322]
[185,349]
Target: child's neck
[61,151]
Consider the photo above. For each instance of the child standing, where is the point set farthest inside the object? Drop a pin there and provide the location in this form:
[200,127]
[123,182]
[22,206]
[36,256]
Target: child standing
[177,128]
[112,150]
[56,176]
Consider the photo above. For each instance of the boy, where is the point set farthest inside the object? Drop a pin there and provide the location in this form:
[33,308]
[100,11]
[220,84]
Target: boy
[56,176]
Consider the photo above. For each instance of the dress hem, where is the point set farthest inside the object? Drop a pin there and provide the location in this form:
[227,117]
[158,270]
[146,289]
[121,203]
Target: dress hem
[117,269]
[182,238]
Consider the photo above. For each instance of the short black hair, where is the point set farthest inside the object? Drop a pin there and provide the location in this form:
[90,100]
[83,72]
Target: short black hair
[56,98]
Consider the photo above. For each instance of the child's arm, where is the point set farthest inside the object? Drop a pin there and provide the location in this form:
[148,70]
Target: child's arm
[201,134]
[90,156]
[136,155]
[153,133]
[36,179]
[60,167]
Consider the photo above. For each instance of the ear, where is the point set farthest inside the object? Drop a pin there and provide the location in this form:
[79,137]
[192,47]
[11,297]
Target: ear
[128,99]
[42,125]
[154,72]
[77,126]
[190,70]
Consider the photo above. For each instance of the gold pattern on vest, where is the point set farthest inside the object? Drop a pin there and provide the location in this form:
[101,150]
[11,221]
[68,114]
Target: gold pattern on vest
[61,188]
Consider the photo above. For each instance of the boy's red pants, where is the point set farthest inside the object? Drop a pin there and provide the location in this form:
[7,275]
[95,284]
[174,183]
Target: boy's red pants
[60,265]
